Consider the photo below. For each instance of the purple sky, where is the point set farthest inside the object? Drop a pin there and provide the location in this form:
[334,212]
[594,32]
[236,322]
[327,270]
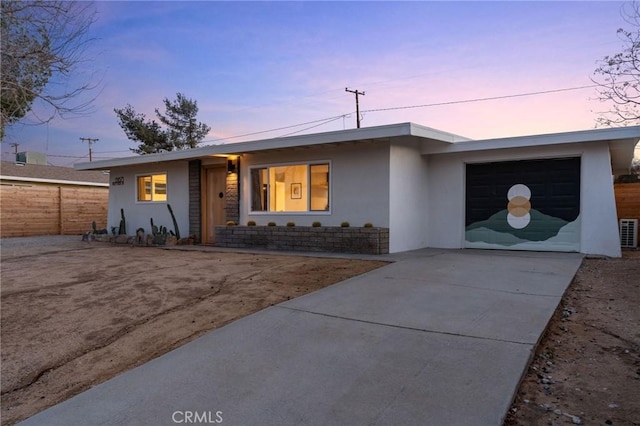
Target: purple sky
[257,66]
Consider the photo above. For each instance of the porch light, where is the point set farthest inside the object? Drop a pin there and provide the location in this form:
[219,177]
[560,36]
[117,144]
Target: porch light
[231,166]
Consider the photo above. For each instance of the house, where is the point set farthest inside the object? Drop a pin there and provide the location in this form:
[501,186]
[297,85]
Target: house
[37,199]
[427,187]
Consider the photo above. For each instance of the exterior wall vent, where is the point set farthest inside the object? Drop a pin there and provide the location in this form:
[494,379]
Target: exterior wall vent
[629,233]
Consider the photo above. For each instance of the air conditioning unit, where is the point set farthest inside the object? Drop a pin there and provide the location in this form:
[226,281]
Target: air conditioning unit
[629,233]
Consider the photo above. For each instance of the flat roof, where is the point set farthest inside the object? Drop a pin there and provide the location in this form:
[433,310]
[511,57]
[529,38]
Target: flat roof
[622,141]
[387,132]
[595,135]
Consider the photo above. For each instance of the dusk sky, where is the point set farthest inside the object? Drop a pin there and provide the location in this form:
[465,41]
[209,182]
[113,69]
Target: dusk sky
[258,66]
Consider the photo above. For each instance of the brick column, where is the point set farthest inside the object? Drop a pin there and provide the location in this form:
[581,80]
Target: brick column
[232,196]
[195,194]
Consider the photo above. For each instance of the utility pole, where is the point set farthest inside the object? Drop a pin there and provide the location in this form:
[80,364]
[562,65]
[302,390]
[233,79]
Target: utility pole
[15,151]
[91,142]
[346,89]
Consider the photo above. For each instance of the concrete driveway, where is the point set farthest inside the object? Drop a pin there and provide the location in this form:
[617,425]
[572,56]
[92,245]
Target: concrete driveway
[436,338]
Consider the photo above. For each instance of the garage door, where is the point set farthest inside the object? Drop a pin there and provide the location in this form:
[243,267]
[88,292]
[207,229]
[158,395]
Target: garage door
[523,205]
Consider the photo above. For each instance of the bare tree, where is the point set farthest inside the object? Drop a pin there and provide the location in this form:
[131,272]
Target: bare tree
[42,45]
[618,76]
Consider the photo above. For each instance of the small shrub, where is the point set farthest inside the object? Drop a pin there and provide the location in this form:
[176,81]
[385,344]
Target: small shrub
[251,223]
[316,224]
[290,224]
[368,225]
[345,224]
[231,223]
[271,224]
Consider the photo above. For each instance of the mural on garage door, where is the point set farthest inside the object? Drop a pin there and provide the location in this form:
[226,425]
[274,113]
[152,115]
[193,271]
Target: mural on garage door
[531,204]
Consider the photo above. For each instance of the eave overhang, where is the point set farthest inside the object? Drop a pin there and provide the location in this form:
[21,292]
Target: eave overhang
[404,131]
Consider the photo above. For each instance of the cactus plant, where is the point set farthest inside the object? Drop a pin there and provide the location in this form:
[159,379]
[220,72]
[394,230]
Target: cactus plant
[154,228]
[345,224]
[316,224]
[175,223]
[97,231]
[159,233]
[122,230]
[368,225]
[251,223]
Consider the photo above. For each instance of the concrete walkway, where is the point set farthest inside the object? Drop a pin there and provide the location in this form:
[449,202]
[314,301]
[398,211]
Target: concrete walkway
[436,338]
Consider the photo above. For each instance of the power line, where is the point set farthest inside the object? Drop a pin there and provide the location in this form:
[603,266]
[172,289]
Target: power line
[317,125]
[72,156]
[328,119]
[492,98]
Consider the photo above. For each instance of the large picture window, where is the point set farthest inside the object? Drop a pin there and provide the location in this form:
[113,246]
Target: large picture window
[152,187]
[290,188]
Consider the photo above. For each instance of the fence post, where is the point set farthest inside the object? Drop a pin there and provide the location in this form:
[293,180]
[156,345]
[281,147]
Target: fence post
[60,215]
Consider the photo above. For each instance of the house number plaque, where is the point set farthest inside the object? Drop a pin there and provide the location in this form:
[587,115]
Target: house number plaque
[118,180]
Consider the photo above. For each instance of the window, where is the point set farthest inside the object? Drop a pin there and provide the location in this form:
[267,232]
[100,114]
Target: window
[290,188]
[152,187]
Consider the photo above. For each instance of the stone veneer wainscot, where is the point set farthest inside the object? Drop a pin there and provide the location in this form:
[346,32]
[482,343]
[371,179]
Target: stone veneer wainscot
[306,238]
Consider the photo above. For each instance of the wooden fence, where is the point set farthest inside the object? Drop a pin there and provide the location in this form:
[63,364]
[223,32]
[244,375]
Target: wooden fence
[628,200]
[51,210]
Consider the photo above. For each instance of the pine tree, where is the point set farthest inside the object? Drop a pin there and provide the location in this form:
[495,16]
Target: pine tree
[180,119]
[182,130]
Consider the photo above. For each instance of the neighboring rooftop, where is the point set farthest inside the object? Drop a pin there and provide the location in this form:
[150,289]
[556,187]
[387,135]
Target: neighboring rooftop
[51,174]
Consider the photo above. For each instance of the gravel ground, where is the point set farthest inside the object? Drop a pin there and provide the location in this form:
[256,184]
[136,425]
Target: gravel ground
[586,370]
[37,245]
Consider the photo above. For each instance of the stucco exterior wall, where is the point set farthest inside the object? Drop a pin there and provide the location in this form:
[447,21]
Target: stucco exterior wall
[446,189]
[408,198]
[600,234]
[359,182]
[137,214]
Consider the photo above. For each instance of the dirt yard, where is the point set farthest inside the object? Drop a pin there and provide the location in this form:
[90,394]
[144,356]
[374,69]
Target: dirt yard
[587,367]
[75,314]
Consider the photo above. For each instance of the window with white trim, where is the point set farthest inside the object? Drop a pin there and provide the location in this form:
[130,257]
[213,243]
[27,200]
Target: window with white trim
[152,187]
[290,188]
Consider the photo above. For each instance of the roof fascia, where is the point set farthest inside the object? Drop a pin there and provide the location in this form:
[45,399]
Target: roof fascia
[598,135]
[435,134]
[621,152]
[366,133]
[56,181]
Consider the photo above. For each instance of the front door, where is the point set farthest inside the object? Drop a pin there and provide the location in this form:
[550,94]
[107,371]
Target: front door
[214,202]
